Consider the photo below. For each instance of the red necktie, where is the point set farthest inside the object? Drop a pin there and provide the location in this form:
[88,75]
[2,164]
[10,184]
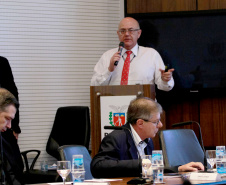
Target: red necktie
[125,70]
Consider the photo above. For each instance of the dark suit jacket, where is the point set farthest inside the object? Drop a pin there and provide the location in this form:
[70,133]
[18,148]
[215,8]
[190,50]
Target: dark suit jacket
[13,164]
[117,156]
[7,82]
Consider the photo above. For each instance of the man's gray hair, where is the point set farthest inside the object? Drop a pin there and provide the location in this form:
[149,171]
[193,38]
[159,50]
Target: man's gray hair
[6,99]
[142,108]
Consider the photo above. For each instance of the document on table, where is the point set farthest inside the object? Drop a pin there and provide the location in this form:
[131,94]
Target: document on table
[92,183]
[60,183]
[102,180]
[79,183]
[171,175]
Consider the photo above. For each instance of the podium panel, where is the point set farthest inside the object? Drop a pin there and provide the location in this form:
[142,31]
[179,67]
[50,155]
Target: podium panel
[117,90]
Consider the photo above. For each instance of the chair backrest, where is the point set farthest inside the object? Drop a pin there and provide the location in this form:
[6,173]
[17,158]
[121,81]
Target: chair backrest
[66,153]
[71,127]
[180,146]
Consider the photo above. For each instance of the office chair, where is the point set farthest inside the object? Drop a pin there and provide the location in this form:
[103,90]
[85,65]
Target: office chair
[67,151]
[180,146]
[32,175]
[71,127]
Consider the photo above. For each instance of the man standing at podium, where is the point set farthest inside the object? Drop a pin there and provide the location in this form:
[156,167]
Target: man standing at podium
[133,64]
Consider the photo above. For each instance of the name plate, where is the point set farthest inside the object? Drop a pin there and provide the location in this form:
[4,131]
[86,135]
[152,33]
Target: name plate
[205,176]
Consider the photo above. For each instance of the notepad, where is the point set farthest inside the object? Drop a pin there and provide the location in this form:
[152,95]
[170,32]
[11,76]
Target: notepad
[102,180]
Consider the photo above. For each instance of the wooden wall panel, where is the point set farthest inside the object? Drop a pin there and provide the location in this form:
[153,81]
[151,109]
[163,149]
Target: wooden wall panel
[185,111]
[213,121]
[144,6]
[211,4]
[148,6]
[178,5]
[182,107]
[210,112]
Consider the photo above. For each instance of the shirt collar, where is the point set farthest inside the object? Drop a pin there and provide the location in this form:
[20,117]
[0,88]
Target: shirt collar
[140,145]
[134,50]
[136,137]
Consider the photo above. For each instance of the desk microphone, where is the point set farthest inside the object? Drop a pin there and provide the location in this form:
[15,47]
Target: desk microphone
[200,138]
[182,124]
[121,46]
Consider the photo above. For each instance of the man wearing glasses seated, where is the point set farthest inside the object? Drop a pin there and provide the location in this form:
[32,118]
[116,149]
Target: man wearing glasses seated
[120,151]
[136,64]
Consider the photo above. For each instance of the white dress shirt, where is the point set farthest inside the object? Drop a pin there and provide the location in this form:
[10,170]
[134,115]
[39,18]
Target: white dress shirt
[138,142]
[140,147]
[144,69]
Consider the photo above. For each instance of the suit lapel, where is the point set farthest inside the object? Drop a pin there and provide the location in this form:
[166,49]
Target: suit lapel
[150,147]
[132,148]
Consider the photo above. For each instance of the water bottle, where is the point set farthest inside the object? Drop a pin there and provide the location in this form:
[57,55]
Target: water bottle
[44,166]
[157,166]
[220,150]
[220,159]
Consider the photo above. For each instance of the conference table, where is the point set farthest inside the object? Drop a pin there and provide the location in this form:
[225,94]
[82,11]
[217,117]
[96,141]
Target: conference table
[123,181]
[168,181]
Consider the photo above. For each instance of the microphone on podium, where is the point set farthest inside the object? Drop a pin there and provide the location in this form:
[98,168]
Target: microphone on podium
[121,46]
[200,138]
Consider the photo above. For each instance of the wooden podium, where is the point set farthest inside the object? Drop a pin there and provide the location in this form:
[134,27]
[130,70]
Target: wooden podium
[116,90]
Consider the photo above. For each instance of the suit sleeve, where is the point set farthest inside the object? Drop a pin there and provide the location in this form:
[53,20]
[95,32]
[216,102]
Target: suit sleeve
[113,160]
[7,82]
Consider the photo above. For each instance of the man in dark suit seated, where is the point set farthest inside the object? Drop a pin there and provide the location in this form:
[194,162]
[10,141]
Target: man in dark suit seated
[118,156]
[7,82]
[10,168]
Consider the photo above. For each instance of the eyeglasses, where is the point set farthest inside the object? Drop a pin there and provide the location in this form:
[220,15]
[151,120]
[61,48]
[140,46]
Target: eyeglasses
[155,123]
[130,31]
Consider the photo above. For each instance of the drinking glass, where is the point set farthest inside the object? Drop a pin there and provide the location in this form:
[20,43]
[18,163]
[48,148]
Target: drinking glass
[146,163]
[211,157]
[78,175]
[63,169]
